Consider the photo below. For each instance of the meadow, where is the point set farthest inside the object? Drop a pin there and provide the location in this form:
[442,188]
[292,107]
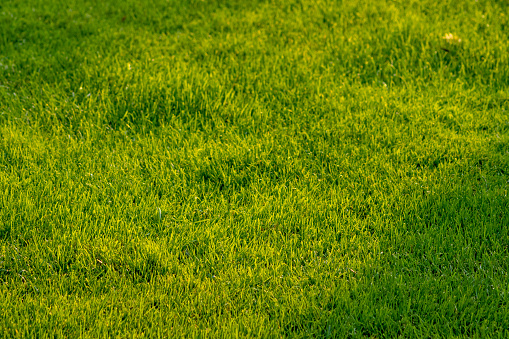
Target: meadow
[271,168]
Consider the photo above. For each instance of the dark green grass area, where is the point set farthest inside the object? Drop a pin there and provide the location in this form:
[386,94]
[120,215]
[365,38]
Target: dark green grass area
[254,168]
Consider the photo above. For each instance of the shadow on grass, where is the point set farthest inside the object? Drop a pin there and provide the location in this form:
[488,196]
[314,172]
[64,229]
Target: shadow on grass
[445,272]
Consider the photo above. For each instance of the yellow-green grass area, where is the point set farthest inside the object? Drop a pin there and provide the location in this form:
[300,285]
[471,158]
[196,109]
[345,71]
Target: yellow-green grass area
[253,168]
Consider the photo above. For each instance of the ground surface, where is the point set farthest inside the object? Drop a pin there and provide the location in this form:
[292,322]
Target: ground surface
[243,168]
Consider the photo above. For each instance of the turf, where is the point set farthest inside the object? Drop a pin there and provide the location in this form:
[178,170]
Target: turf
[240,168]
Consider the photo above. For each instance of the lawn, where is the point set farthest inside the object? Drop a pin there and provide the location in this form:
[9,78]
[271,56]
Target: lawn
[234,168]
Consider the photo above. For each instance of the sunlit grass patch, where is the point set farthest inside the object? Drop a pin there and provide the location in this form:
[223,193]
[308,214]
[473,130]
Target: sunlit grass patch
[272,168]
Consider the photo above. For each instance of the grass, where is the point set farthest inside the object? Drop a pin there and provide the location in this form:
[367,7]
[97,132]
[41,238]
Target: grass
[254,168]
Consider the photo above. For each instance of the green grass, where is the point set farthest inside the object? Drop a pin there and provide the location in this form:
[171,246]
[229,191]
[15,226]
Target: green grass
[254,168]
